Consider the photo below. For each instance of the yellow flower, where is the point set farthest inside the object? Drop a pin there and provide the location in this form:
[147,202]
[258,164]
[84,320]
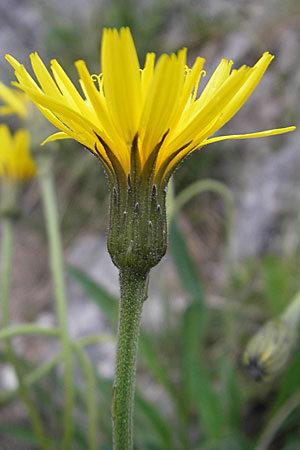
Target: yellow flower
[16,163]
[14,101]
[156,105]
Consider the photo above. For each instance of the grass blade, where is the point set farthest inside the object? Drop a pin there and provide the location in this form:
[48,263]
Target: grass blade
[106,302]
[197,381]
[185,265]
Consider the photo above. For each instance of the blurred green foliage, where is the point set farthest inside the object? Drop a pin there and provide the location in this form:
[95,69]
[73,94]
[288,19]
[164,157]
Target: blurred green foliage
[207,402]
[215,405]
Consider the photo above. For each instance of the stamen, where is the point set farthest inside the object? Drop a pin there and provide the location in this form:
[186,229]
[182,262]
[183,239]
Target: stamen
[98,78]
[187,70]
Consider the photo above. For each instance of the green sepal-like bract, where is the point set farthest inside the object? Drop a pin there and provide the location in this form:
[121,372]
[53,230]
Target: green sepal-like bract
[137,236]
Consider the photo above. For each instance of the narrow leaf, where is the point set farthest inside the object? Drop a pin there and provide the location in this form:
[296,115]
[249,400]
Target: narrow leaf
[107,303]
[184,264]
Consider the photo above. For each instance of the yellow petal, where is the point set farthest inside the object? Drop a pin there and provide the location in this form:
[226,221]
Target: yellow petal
[16,162]
[163,97]
[60,109]
[25,80]
[150,102]
[44,78]
[14,104]
[240,97]
[95,98]
[121,81]
[68,89]
[147,75]
[191,82]
[208,113]
[6,110]
[107,130]
[56,137]
[221,73]
[257,134]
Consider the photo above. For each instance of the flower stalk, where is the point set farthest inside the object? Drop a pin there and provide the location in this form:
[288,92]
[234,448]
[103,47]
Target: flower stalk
[44,164]
[133,295]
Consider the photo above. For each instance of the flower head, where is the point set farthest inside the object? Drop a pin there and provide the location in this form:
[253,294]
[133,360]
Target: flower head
[14,101]
[156,107]
[16,163]
[270,349]
[140,123]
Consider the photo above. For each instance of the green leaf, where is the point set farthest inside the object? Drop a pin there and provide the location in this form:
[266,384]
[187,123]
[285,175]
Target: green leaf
[193,327]
[104,387]
[184,264]
[276,277]
[144,411]
[231,394]
[232,443]
[289,383]
[159,426]
[208,403]
[107,303]
[293,444]
[197,381]
[157,369]
[18,433]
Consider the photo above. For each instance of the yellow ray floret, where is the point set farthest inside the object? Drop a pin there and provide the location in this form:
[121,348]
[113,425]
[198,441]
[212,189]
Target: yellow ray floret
[126,101]
[14,101]
[16,162]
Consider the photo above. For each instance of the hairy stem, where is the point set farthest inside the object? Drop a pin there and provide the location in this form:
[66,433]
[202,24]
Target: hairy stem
[133,294]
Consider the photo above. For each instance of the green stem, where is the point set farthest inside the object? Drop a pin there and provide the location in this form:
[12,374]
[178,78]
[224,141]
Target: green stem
[91,399]
[6,264]
[95,339]
[7,247]
[204,186]
[32,329]
[44,368]
[292,311]
[27,329]
[56,261]
[33,377]
[133,294]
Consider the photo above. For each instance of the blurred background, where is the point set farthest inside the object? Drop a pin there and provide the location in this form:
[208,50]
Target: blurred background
[231,264]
